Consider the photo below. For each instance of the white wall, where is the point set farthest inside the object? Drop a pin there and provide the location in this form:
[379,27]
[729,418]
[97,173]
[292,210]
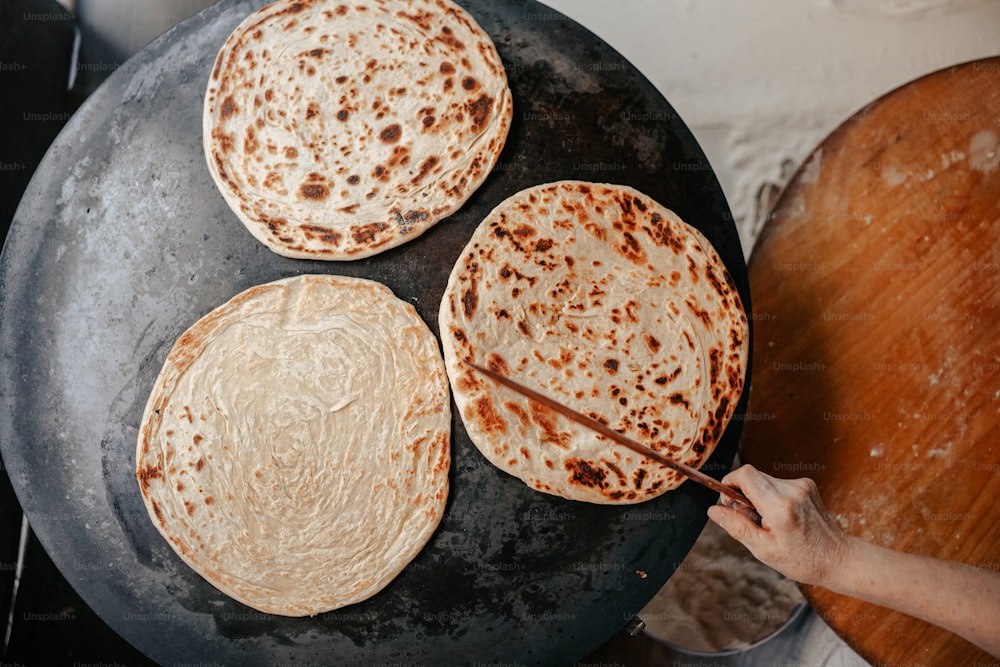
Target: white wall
[761,83]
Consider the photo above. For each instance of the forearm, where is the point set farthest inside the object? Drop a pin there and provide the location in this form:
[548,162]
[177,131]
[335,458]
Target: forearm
[957,597]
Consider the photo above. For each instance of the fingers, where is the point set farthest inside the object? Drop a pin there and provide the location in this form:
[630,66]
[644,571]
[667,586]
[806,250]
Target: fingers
[751,514]
[738,475]
[741,524]
[723,517]
[755,485]
[743,478]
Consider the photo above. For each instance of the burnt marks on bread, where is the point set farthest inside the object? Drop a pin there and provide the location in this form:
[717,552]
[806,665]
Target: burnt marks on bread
[406,221]
[479,111]
[470,299]
[323,234]
[390,134]
[228,108]
[486,417]
[630,249]
[147,473]
[367,234]
[585,473]
[448,38]
[426,167]
[497,364]
[607,479]
[314,191]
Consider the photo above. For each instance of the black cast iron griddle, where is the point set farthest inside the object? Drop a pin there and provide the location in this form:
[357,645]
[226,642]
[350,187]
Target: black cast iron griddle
[122,242]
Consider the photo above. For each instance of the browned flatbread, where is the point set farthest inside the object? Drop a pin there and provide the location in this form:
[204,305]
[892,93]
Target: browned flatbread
[294,450]
[339,130]
[605,300]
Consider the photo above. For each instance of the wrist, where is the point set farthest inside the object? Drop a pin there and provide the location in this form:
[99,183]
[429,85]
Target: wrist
[845,566]
[843,558]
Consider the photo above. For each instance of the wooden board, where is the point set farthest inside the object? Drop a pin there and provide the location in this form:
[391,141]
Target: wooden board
[876,361]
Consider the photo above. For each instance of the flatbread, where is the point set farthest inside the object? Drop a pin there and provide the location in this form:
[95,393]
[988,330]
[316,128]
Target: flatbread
[294,450]
[601,298]
[337,130]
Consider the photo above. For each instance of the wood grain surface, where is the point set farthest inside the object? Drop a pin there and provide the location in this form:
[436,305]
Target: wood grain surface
[876,362]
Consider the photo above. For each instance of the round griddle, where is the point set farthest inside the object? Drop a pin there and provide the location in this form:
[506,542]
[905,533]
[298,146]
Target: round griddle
[122,242]
[877,353]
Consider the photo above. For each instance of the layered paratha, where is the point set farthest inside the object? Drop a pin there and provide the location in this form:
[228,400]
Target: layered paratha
[603,299]
[337,130]
[294,450]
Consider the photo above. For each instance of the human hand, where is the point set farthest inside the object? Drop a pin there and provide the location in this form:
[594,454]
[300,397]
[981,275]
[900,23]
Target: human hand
[795,534]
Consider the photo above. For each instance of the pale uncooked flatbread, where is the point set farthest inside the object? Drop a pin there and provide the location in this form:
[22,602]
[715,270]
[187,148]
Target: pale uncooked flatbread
[603,299]
[294,450]
[337,130]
